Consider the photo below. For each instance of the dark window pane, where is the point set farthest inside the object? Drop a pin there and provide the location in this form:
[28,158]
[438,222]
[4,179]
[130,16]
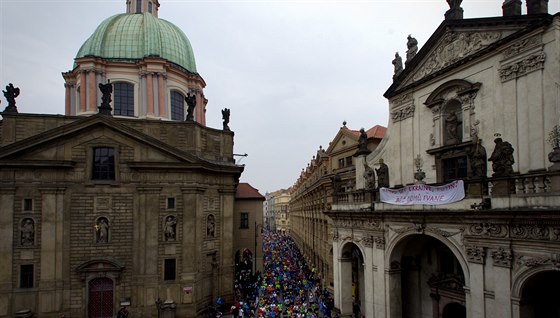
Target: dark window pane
[123,97]
[138,6]
[171,203]
[177,106]
[26,276]
[244,221]
[454,168]
[103,167]
[169,269]
[27,204]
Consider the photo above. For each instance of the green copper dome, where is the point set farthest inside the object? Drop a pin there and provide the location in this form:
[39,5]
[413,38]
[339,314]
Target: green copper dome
[129,37]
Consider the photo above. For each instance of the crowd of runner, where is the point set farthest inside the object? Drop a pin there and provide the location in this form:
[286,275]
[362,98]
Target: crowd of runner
[286,288]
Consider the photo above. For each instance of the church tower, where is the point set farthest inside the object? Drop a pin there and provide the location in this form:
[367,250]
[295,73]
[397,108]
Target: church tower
[149,61]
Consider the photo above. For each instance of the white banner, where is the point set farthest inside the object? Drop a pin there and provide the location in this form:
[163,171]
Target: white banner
[424,194]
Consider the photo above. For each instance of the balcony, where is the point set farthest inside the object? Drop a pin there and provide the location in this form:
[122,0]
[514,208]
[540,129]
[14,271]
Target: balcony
[539,190]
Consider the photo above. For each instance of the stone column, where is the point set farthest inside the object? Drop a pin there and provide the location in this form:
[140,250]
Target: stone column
[92,92]
[83,91]
[474,289]
[369,281]
[393,298]
[345,282]
[502,258]
[150,94]
[379,299]
[161,96]
[52,248]
[6,249]
[360,181]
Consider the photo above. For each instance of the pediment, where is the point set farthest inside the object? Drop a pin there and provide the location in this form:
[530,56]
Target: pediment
[64,143]
[458,42]
[453,46]
[342,140]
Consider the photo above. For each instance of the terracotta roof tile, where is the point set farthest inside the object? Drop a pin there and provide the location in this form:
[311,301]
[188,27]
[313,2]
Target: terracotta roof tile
[246,191]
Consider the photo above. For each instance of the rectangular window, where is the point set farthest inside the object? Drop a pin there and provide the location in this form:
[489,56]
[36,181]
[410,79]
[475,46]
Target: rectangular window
[170,203]
[150,7]
[26,276]
[103,167]
[348,161]
[177,106]
[123,95]
[169,271]
[138,6]
[341,163]
[244,224]
[27,204]
[454,168]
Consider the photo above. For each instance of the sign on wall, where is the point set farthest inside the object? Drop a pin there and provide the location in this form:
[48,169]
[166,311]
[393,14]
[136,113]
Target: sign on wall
[424,194]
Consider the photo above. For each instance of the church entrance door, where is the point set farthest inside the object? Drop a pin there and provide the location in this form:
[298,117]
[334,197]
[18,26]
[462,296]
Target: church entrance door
[100,298]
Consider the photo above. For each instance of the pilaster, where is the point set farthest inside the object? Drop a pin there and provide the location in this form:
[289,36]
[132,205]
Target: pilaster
[6,248]
[51,279]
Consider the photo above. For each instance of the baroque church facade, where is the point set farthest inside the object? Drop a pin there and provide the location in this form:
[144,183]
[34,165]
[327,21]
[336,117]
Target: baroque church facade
[467,224]
[128,204]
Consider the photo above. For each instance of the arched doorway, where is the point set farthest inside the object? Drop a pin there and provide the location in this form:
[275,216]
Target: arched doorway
[352,280]
[100,299]
[540,295]
[427,279]
[244,261]
[454,310]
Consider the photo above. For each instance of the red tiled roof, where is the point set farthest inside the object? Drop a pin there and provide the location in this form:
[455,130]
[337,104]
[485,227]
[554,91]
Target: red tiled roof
[246,191]
[377,132]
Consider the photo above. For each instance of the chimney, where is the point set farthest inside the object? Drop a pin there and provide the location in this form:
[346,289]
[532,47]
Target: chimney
[511,7]
[537,6]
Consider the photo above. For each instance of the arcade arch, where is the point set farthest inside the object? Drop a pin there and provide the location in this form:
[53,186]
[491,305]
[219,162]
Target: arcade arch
[352,280]
[426,279]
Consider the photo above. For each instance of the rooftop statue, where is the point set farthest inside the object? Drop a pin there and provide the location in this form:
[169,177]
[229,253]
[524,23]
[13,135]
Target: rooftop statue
[191,104]
[106,90]
[412,45]
[225,117]
[11,93]
[397,62]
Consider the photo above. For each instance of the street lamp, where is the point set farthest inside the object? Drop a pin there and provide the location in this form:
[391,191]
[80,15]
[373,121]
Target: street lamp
[256,236]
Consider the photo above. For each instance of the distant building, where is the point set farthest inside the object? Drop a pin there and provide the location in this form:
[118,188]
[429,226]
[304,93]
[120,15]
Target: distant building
[248,228]
[464,221]
[107,207]
[278,210]
[329,178]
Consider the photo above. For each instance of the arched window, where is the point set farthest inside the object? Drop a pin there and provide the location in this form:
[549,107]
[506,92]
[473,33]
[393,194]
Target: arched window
[138,6]
[177,106]
[150,7]
[123,99]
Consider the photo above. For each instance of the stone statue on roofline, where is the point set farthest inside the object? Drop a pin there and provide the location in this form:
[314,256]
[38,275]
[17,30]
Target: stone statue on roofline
[191,104]
[398,66]
[455,11]
[11,93]
[225,117]
[412,45]
[382,175]
[106,91]
[502,158]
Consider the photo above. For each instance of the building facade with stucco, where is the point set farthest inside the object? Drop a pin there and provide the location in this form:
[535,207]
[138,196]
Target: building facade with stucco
[329,178]
[467,223]
[128,199]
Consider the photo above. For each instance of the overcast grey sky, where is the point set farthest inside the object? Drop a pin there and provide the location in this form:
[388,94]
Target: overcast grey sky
[291,71]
